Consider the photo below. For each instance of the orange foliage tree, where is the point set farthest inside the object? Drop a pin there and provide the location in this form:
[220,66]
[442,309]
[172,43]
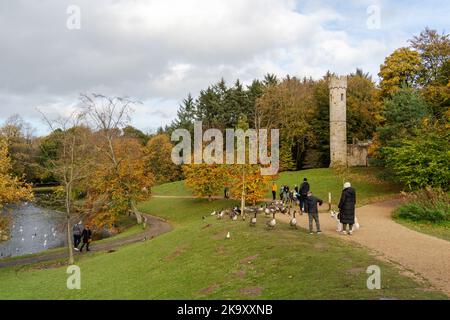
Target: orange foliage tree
[115,189]
[159,151]
[205,180]
[247,179]
[12,189]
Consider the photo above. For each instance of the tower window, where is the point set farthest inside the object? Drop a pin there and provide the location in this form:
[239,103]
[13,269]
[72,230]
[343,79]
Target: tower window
[342,97]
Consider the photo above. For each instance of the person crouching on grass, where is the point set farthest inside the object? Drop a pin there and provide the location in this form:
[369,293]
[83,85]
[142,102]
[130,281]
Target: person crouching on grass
[311,207]
[87,238]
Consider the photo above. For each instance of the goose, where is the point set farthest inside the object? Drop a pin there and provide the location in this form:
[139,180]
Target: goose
[228,235]
[272,223]
[294,221]
[220,215]
[253,221]
[213,213]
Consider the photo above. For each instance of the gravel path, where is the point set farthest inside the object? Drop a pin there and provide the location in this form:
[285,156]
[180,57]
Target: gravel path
[155,227]
[425,255]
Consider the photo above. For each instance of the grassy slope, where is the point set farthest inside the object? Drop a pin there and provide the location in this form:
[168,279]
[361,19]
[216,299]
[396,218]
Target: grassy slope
[441,230]
[322,181]
[195,261]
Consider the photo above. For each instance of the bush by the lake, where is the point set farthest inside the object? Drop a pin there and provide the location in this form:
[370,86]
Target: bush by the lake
[426,206]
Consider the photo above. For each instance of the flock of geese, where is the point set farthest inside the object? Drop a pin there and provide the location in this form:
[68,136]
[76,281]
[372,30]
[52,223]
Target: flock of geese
[268,209]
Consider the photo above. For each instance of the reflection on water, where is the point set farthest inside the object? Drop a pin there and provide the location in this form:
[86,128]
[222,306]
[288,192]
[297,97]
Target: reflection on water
[33,230]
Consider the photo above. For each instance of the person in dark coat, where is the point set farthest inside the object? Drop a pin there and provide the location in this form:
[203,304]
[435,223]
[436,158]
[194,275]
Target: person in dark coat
[76,230]
[311,207]
[86,235]
[304,189]
[347,205]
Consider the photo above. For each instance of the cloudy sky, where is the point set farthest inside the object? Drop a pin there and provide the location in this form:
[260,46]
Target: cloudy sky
[157,51]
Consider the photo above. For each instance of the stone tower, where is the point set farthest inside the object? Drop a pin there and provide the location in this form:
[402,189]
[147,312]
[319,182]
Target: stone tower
[338,121]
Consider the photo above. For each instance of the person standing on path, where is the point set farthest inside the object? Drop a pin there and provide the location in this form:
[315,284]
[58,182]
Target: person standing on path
[311,207]
[304,189]
[346,206]
[274,191]
[87,238]
[76,230]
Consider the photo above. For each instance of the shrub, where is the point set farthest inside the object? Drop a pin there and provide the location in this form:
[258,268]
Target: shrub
[422,161]
[427,205]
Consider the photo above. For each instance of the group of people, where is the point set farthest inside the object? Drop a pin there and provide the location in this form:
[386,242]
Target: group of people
[81,235]
[310,204]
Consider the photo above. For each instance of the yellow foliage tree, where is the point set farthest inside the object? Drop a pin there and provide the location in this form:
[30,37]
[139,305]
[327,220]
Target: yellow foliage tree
[159,151]
[115,187]
[12,189]
[248,178]
[205,180]
[401,68]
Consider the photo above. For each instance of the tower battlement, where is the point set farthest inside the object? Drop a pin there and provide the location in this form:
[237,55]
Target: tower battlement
[338,82]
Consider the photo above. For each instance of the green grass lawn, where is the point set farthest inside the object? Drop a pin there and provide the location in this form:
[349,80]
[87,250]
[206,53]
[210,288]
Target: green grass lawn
[368,186]
[438,230]
[195,261]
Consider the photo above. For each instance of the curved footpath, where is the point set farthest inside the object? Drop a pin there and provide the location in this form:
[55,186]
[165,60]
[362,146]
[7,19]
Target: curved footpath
[426,256]
[155,227]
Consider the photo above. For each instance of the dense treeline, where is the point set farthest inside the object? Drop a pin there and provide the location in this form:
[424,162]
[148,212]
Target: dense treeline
[406,115]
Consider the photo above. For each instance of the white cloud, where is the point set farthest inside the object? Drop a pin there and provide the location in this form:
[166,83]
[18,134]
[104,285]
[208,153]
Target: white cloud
[158,51]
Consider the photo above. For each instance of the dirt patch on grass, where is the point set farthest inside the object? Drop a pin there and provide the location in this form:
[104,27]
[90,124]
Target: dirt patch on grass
[178,252]
[320,246]
[240,274]
[249,259]
[251,291]
[210,289]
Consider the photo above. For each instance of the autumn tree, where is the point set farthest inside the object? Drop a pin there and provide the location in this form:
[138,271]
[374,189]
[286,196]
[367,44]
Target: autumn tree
[434,50]
[434,77]
[205,180]
[69,161]
[12,189]
[114,190]
[401,69]
[23,148]
[158,154]
[289,107]
[121,173]
[248,181]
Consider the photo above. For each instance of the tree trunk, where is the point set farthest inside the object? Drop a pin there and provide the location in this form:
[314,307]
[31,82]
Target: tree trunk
[243,193]
[136,213]
[69,233]
[69,242]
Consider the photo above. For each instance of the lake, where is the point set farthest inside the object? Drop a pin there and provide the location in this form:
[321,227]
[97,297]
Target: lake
[33,230]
